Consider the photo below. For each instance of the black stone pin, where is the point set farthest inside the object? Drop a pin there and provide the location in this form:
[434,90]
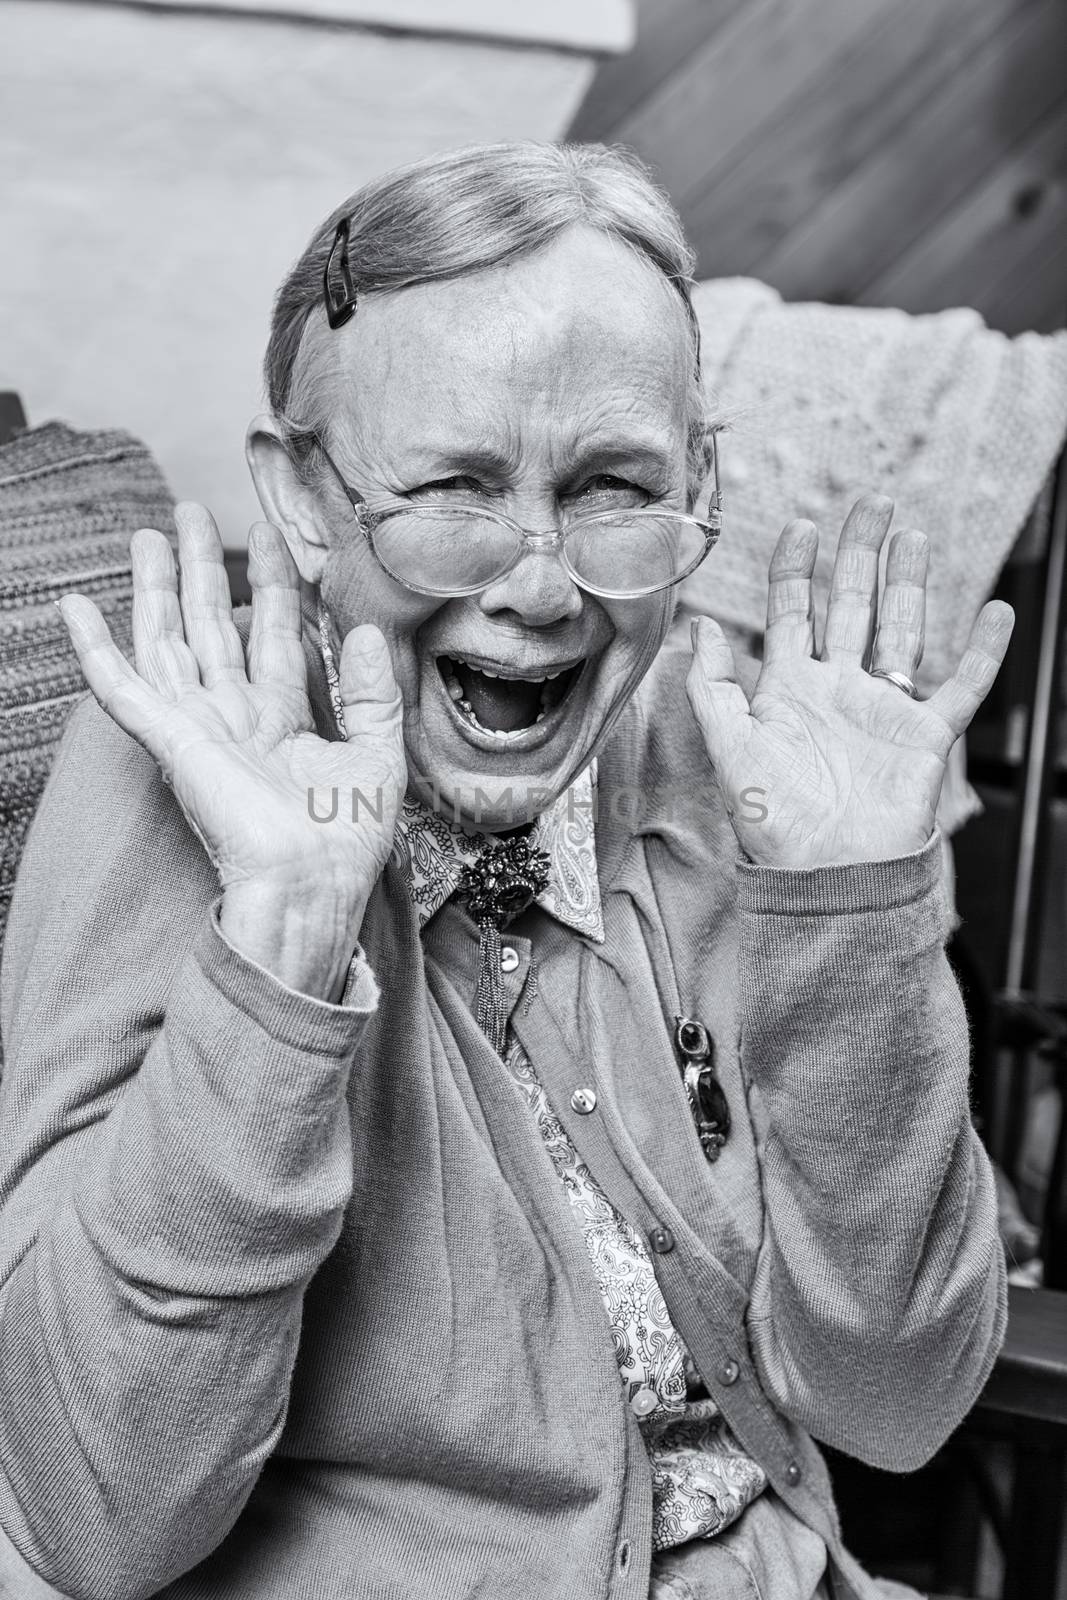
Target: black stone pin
[707,1099]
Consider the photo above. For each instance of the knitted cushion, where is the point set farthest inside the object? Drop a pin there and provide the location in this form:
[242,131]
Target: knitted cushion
[69,502]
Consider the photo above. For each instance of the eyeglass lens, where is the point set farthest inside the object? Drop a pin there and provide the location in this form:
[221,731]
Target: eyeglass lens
[451,551]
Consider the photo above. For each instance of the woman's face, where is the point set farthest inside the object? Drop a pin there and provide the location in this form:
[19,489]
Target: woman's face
[543,389]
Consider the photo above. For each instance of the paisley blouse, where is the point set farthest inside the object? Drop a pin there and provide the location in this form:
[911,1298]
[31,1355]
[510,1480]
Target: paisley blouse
[701,1478]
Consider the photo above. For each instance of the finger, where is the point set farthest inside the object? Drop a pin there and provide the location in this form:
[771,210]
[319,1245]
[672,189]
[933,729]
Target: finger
[122,693]
[790,607]
[275,647]
[959,697]
[369,692]
[718,700]
[163,658]
[852,608]
[204,593]
[898,642]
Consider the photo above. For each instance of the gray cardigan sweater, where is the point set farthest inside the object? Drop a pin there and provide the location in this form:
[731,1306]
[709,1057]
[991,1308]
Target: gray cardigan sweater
[292,1303]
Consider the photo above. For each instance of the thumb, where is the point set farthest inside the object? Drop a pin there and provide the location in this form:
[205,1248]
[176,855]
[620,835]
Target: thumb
[718,700]
[369,692]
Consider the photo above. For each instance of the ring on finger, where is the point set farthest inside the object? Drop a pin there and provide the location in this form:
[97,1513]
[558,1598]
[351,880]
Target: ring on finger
[899,680]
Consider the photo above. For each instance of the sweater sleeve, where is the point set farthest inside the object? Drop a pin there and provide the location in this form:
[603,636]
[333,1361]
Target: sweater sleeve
[879,1302]
[175,1163]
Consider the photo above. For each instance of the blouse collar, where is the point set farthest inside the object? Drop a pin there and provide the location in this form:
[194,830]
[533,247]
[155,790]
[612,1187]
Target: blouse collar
[432,852]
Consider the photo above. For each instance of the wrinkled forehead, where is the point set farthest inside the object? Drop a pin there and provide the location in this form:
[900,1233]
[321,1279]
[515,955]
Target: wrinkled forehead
[584,333]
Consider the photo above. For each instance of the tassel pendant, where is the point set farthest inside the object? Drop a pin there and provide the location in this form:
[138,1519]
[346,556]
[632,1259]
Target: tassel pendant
[489,996]
[506,878]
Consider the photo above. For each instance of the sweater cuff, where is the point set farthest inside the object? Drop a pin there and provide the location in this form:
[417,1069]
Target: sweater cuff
[859,887]
[300,1020]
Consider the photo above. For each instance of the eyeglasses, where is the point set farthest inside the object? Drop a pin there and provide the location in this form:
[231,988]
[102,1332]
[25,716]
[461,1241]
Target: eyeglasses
[618,554]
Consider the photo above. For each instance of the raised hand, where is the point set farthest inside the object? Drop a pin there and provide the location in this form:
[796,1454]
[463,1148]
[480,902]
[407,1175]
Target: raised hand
[829,764]
[234,737]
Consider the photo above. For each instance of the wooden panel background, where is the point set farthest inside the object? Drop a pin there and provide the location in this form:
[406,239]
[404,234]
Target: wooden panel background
[878,152]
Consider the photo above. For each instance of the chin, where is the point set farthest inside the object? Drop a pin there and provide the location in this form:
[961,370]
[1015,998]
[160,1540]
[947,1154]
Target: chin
[494,796]
[499,788]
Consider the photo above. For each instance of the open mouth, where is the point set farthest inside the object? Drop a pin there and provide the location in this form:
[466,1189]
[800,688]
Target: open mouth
[501,703]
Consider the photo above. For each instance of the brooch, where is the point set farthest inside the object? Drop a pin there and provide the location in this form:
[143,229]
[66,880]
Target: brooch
[507,877]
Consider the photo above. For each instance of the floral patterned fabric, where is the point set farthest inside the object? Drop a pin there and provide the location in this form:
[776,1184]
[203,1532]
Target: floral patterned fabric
[701,1478]
[649,1352]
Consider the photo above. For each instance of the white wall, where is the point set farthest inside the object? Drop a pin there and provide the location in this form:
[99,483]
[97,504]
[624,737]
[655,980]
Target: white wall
[160,170]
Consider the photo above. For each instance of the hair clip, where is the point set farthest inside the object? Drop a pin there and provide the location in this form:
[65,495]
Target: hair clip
[339,306]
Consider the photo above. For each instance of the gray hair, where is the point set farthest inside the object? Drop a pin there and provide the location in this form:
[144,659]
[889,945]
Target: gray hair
[459,213]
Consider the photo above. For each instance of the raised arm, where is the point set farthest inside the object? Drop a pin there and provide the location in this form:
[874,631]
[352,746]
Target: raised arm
[176,1156]
[879,1299]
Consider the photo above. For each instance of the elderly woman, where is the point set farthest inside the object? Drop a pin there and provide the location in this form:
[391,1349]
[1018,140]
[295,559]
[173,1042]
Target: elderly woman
[473,1117]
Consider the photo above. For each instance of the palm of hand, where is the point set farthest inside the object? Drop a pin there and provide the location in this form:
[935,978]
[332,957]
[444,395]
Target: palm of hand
[232,731]
[258,782]
[829,765]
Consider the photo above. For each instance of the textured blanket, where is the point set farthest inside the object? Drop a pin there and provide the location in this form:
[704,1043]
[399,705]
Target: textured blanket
[69,502]
[960,424]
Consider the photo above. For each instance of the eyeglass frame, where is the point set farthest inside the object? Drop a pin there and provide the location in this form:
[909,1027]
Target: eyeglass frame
[368,521]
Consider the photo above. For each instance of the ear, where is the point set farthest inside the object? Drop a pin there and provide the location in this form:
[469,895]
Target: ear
[289,504]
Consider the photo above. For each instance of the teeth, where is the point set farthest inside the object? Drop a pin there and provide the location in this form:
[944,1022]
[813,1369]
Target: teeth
[501,735]
[549,697]
[487,673]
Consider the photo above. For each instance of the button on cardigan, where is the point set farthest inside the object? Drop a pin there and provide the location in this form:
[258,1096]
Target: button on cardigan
[290,1299]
